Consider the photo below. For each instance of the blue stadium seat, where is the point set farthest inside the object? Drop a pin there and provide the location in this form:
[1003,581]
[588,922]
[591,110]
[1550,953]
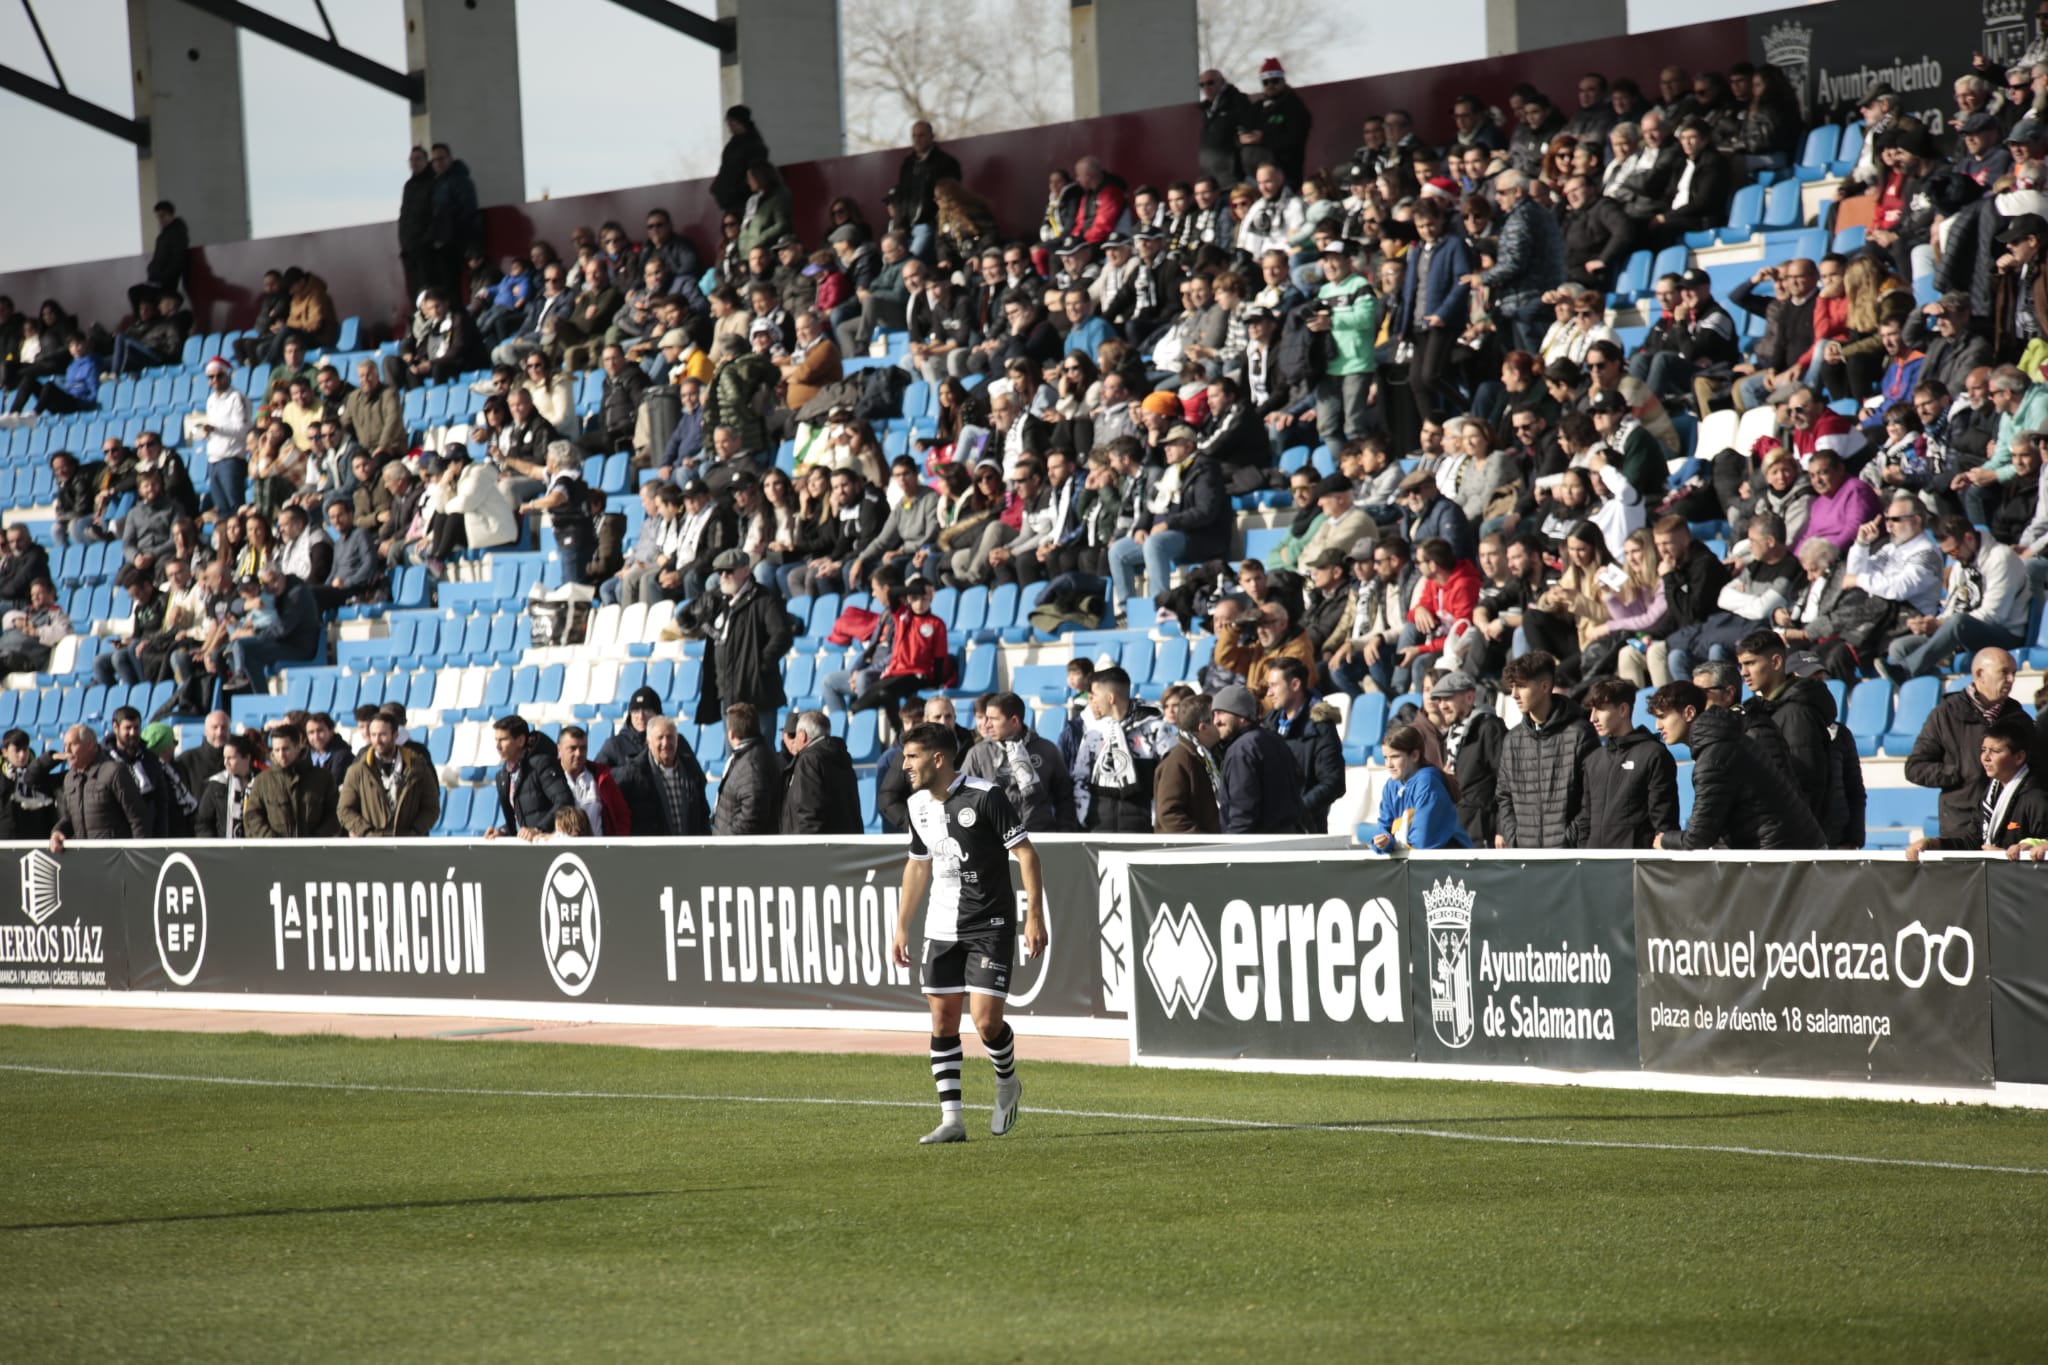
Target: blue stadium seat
[977,675]
[1744,209]
[863,736]
[1821,146]
[1050,723]
[1261,542]
[1917,809]
[1782,206]
[1362,731]
[525,684]
[1672,260]
[1914,703]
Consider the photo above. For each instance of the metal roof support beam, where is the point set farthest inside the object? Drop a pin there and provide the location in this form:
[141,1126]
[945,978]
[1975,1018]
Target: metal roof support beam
[406,84]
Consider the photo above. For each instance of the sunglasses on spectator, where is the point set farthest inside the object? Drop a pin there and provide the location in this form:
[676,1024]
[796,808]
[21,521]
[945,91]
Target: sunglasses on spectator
[1894,521]
[1799,410]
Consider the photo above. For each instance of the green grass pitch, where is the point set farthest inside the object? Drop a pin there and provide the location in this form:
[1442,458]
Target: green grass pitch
[162,1220]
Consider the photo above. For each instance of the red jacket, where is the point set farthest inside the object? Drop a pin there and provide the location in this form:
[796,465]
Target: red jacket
[1096,213]
[1830,431]
[1830,323]
[617,819]
[1452,600]
[919,649]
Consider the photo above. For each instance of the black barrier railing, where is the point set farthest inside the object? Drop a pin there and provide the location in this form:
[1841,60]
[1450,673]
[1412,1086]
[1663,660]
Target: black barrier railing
[1832,968]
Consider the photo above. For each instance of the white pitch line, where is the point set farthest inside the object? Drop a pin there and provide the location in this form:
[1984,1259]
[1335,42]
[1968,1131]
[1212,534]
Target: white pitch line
[1263,1125]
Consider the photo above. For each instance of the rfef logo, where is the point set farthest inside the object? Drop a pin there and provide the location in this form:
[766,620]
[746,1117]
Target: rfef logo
[570,927]
[180,914]
[1181,961]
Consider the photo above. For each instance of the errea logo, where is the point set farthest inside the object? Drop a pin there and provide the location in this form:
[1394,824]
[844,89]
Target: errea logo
[1180,960]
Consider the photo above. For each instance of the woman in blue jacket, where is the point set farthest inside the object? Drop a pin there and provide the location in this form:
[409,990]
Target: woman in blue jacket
[1419,806]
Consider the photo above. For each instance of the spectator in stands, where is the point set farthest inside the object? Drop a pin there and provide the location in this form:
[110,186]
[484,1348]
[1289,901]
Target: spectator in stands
[1740,798]
[911,527]
[629,741]
[291,799]
[1841,505]
[1276,635]
[1699,192]
[294,635]
[1187,782]
[567,503]
[1347,313]
[1985,603]
[1418,804]
[1770,579]
[374,415]
[1026,766]
[1309,727]
[1122,742]
[1528,262]
[820,794]
[21,563]
[1431,515]
[1472,739]
[750,632]
[1804,712]
[917,660]
[1190,520]
[1261,791]
[530,786]
[1945,754]
[29,634]
[224,795]
[750,792]
[2014,813]
[448,346]
[79,391]
[200,762]
[125,663]
[357,573]
[391,792]
[1957,348]
[664,788]
[1541,792]
[326,748]
[99,798]
[1788,330]
[1387,584]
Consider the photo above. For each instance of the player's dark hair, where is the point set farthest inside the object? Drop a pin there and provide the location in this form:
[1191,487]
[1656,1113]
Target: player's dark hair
[1113,678]
[933,739]
[15,739]
[1610,692]
[1009,703]
[290,732]
[514,727]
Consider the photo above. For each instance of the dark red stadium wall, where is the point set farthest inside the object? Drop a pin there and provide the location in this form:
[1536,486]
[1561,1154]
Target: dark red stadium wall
[360,264]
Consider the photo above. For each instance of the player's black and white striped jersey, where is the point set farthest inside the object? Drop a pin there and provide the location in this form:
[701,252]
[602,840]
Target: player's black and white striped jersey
[967,838]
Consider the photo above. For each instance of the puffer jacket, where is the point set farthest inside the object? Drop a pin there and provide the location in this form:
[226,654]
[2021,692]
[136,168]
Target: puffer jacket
[1312,738]
[1737,798]
[1631,791]
[1541,801]
[1804,711]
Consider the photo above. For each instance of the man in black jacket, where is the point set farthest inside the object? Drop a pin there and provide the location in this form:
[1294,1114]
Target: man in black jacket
[1631,779]
[1309,726]
[750,793]
[21,564]
[2015,806]
[1225,113]
[1804,712]
[1261,791]
[1472,740]
[1693,578]
[820,794]
[1946,755]
[1738,798]
[664,787]
[750,632]
[530,785]
[1597,236]
[924,166]
[1541,797]
[415,224]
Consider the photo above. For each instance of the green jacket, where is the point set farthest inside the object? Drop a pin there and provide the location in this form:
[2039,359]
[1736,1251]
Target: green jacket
[735,399]
[770,221]
[1354,325]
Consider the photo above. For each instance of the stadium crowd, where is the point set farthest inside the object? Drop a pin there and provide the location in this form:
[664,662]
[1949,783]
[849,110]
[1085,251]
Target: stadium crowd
[1488,493]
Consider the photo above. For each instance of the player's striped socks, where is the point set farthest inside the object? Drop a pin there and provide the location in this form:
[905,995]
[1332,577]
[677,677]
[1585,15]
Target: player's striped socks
[1002,1053]
[946,1056]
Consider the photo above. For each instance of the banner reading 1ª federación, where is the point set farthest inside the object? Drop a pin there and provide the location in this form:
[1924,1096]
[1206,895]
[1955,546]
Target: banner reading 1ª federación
[1831,971]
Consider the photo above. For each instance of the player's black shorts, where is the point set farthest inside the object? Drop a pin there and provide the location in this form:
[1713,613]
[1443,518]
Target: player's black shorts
[977,965]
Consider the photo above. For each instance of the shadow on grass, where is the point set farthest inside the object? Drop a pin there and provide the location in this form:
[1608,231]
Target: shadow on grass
[508,1200]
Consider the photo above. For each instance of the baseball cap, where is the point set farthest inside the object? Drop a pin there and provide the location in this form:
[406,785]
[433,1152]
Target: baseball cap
[1695,278]
[1361,550]
[1608,401]
[1073,248]
[850,233]
[2026,130]
[1116,241]
[1180,432]
[1253,315]
[646,699]
[1804,664]
[1336,246]
[1450,685]
[786,241]
[1237,699]
[696,488]
[1151,232]
[1331,558]
[2025,226]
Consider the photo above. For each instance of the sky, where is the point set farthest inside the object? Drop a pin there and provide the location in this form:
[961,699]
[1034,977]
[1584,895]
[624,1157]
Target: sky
[326,150]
